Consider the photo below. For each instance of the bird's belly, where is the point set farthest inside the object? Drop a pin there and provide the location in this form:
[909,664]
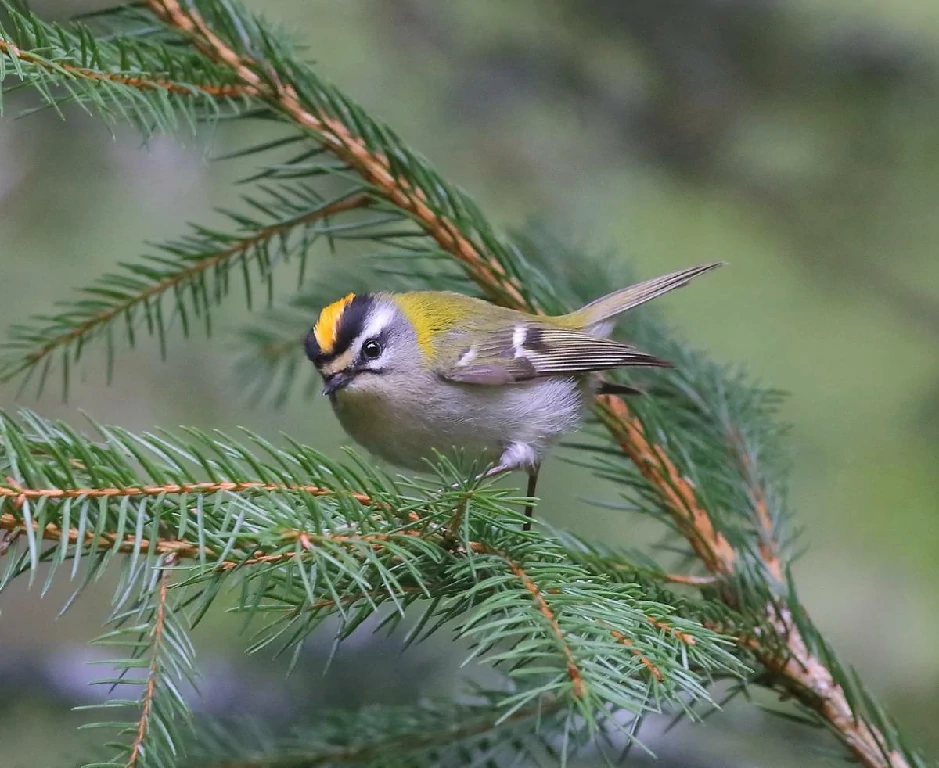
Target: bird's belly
[478,421]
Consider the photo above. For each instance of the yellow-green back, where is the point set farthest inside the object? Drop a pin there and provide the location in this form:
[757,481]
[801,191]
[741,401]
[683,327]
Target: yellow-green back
[434,313]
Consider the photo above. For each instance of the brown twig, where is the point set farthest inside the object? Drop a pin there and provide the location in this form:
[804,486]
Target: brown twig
[676,491]
[647,662]
[573,670]
[644,660]
[372,166]
[140,82]
[690,581]
[799,674]
[544,608]
[765,528]
[793,667]
[19,495]
[309,540]
[666,627]
[52,532]
[153,674]
[190,550]
[176,548]
[807,678]
[197,268]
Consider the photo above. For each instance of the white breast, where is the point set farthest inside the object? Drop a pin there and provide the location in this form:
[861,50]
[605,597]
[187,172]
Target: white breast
[480,420]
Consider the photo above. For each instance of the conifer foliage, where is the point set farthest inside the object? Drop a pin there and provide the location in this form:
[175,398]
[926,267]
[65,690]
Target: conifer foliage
[588,641]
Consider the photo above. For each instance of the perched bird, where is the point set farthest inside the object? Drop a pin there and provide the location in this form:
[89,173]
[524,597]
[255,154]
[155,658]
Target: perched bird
[412,373]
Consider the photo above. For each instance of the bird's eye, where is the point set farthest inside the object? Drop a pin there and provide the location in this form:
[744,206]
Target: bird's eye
[372,349]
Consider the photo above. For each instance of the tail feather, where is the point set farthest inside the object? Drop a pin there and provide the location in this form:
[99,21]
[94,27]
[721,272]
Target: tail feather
[596,315]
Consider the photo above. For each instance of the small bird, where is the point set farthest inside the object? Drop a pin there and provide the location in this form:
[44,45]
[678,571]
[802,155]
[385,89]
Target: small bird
[409,374]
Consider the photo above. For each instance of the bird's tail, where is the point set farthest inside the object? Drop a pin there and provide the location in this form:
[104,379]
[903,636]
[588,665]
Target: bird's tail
[597,317]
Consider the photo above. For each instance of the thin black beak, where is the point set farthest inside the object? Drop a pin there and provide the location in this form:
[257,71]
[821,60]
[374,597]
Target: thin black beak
[337,381]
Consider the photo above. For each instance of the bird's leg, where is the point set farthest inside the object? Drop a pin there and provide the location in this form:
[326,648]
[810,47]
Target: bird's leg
[522,456]
[529,492]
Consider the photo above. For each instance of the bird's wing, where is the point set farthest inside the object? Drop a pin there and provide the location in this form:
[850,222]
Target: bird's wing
[531,350]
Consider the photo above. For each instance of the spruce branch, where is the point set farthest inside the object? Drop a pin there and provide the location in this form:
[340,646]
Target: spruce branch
[422,736]
[181,548]
[162,632]
[135,295]
[544,608]
[156,642]
[869,734]
[311,540]
[299,103]
[691,519]
[700,451]
[143,82]
[677,493]
[153,673]
[146,82]
[385,171]
[792,667]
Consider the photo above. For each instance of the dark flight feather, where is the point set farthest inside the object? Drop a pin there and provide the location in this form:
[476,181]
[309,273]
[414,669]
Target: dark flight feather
[530,351]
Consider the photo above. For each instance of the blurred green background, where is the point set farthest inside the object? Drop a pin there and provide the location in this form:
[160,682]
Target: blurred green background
[798,141]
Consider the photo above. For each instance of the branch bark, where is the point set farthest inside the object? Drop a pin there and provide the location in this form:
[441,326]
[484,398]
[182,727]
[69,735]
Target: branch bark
[140,82]
[155,669]
[789,662]
[373,167]
[16,495]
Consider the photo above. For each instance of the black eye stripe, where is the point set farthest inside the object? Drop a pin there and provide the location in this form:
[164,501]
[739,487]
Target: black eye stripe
[312,348]
[351,322]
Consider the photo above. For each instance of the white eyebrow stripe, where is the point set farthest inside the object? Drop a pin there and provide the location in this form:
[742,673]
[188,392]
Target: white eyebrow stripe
[378,319]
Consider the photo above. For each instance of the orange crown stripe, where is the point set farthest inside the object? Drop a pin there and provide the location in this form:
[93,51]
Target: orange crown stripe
[327,326]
